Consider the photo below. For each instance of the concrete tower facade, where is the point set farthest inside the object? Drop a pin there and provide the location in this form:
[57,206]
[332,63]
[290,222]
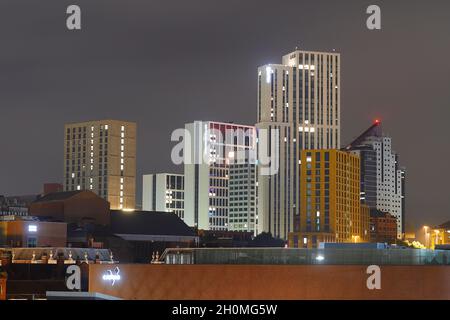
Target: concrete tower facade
[301,99]
[389,175]
[101,156]
[211,150]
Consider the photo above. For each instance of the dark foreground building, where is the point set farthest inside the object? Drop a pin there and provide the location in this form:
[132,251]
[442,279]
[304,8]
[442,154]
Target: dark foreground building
[383,227]
[151,231]
[236,273]
[134,236]
[72,206]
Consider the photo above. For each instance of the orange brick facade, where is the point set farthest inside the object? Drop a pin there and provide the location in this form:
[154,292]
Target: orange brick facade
[74,209]
[383,228]
[269,282]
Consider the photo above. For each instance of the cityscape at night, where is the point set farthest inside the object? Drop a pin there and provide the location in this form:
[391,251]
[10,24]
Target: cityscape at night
[189,151]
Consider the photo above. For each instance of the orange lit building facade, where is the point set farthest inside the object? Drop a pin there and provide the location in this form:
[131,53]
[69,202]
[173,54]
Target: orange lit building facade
[330,208]
[440,235]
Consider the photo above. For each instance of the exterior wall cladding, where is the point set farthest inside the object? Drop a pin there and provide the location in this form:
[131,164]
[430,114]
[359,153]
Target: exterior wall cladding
[300,98]
[211,171]
[382,178]
[163,192]
[330,200]
[101,156]
[281,282]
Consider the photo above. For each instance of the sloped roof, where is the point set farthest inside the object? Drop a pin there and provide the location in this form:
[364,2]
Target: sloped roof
[374,130]
[149,223]
[59,196]
[445,225]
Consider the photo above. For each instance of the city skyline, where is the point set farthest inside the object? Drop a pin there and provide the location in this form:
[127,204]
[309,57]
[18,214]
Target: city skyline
[35,89]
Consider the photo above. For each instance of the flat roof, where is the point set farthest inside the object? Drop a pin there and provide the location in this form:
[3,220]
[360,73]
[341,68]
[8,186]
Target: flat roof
[300,256]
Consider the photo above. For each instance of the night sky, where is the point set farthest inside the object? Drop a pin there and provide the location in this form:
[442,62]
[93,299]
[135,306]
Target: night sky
[163,63]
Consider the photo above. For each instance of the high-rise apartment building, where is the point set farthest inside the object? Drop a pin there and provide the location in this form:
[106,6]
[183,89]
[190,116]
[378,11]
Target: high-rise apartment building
[330,209]
[211,149]
[101,156]
[243,197]
[389,192]
[301,99]
[163,192]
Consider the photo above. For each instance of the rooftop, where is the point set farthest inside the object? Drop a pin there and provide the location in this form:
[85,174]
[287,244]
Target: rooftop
[445,225]
[149,223]
[59,196]
[375,130]
[296,256]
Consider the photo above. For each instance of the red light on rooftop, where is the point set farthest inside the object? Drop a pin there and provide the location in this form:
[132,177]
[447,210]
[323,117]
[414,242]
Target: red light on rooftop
[377,121]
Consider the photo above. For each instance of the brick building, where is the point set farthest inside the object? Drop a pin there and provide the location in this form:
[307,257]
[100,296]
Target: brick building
[383,227]
[18,231]
[72,207]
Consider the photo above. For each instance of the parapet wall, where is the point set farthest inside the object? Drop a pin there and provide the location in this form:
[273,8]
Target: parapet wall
[267,282]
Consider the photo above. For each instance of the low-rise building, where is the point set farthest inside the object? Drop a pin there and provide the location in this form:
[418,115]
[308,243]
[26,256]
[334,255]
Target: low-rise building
[16,205]
[18,231]
[440,235]
[383,227]
[72,207]
[134,236]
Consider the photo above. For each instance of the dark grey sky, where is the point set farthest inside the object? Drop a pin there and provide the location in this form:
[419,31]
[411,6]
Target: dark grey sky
[163,63]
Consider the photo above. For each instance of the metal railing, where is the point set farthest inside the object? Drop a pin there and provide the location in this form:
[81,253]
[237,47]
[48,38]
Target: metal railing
[275,256]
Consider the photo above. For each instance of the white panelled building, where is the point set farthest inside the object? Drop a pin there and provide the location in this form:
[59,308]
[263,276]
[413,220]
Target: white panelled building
[243,197]
[163,192]
[215,147]
[390,181]
[300,98]
[388,176]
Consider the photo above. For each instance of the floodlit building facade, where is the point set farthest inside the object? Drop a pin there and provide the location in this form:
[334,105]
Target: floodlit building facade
[330,208]
[243,197]
[213,148]
[101,156]
[440,235]
[163,192]
[301,99]
[389,192]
